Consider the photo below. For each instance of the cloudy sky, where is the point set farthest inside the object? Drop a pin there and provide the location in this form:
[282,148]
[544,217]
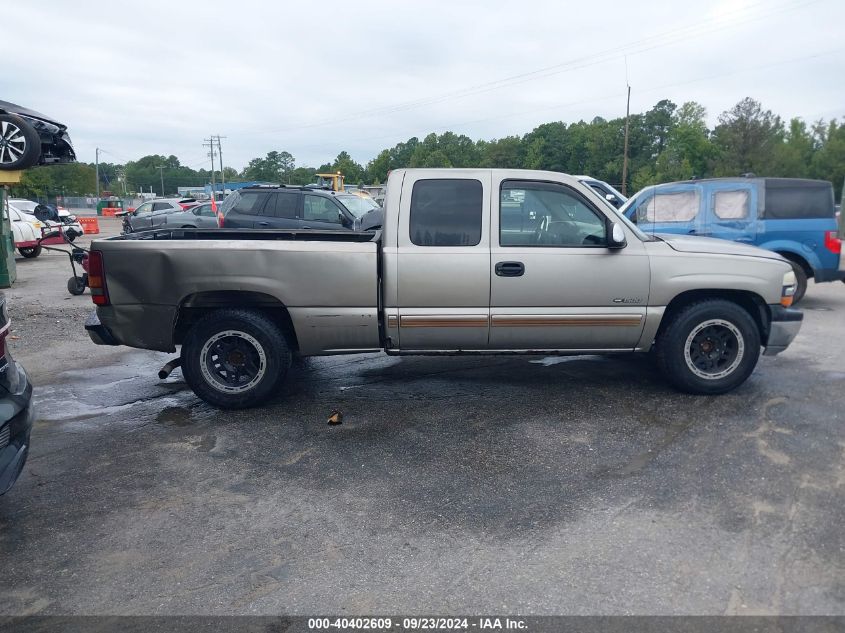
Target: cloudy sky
[136,78]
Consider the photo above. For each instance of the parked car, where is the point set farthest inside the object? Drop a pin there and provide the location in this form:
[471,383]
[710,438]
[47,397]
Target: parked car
[605,190]
[51,214]
[290,207]
[26,231]
[792,217]
[28,138]
[16,410]
[200,216]
[152,213]
[475,261]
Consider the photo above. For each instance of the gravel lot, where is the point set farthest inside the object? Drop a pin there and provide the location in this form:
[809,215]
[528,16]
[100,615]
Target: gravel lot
[454,485]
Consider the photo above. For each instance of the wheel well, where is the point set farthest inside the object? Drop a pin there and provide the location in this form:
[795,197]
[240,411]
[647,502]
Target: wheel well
[808,270]
[750,301]
[195,306]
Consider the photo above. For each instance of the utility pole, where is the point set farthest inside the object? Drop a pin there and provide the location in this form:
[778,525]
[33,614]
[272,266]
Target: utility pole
[97,169]
[209,143]
[161,173]
[222,175]
[625,156]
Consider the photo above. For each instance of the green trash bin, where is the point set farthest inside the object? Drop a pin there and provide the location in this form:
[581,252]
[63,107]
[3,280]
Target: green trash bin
[109,203]
[8,271]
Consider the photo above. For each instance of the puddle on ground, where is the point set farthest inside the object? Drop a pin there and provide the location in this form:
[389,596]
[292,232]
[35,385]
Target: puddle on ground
[177,416]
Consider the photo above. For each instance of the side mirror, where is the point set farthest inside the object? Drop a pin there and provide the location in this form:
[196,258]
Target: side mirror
[610,197]
[617,237]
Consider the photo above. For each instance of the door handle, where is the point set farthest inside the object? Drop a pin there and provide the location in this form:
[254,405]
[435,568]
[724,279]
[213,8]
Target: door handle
[263,224]
[510,269]
[305,227]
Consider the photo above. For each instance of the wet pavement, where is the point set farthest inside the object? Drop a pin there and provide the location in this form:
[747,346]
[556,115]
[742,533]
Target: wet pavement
[453,485]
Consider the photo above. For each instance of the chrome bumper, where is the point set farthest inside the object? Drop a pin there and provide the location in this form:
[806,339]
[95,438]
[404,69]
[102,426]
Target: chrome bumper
[784,328]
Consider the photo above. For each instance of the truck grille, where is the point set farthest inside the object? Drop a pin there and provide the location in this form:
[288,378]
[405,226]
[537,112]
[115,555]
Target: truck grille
[4,437]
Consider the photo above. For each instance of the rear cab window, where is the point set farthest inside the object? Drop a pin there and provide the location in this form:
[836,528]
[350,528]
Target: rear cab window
[446,212]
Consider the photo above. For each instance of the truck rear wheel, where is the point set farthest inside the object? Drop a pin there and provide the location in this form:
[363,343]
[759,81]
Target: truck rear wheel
[234,359]
[709,347]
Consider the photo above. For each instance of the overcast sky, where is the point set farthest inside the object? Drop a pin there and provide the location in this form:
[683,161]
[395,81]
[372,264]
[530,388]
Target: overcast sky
[136,78]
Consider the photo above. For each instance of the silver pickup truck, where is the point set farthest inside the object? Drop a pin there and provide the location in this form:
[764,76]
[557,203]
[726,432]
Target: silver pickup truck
[468,261]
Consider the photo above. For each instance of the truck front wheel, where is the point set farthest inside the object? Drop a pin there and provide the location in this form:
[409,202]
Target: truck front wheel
[709,347]
[234,359]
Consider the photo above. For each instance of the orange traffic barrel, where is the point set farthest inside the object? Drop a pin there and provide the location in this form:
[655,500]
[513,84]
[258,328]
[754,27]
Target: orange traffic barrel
[91,226]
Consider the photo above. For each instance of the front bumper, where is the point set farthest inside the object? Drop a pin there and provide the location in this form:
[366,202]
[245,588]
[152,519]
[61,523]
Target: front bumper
[15,427]
[784,327]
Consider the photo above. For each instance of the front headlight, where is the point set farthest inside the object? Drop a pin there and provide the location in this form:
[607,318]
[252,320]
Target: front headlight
[788,289]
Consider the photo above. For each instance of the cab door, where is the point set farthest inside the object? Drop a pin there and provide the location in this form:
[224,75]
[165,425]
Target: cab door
[443,261]
[731,211]
[554,282]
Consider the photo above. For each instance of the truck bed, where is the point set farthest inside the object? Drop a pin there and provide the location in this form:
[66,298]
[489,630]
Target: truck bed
[327,281]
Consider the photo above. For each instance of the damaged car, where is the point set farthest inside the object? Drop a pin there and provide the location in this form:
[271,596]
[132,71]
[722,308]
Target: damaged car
[28,138]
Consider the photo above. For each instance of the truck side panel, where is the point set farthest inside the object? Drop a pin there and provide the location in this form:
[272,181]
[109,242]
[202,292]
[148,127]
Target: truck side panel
[318,282]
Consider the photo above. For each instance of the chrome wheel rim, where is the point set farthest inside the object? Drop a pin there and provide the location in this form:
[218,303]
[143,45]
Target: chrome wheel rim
[232,361]
[12,143]
[714,349]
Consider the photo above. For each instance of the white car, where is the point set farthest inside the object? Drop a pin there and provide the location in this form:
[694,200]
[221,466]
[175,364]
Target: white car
[66,219]
[26,230]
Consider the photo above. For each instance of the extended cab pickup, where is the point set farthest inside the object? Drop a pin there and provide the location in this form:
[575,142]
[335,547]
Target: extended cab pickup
[468,261]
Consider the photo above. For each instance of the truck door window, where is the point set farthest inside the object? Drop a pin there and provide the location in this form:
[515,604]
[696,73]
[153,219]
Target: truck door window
[446,212]
[320,209]
[731,205]
[547,214]
[674,206]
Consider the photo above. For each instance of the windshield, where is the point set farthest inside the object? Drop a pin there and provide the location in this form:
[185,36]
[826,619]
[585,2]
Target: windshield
[358,205]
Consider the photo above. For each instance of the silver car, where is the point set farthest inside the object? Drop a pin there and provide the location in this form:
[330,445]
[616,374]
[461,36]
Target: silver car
[200,216]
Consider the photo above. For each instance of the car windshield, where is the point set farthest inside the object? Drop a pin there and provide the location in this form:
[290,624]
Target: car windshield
[358,205]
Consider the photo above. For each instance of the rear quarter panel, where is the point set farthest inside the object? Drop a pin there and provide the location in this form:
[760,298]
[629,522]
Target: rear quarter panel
[804,238]
[329,288]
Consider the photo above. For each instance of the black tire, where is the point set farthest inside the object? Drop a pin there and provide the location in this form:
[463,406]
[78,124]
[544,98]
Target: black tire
[20,145]
[257,346]
[800,282]
[30,252]
[76,285]
[726,319]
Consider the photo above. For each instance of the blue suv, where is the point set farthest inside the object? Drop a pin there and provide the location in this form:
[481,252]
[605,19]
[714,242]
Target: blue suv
[791,216]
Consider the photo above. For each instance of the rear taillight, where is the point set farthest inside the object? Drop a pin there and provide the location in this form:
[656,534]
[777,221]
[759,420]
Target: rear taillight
[832,242]
[97,278]
[220,220]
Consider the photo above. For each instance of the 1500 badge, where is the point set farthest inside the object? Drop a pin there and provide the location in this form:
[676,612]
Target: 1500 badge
[628,300]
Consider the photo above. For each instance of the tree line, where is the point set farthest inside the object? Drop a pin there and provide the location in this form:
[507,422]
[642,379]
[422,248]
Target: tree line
[667,142]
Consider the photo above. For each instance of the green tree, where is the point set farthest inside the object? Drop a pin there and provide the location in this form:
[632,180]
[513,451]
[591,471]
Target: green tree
[746,138]
[352,171]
